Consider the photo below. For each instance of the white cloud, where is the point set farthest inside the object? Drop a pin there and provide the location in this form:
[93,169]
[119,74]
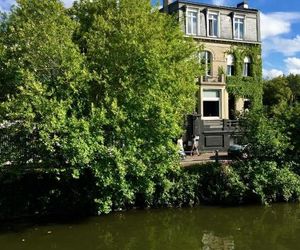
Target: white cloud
[293,65]
[285,46]
[288,47]
[273,26]
[277,23]
[272,73]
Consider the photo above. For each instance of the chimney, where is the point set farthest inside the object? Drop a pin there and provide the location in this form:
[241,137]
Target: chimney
[243,5]
[166,5]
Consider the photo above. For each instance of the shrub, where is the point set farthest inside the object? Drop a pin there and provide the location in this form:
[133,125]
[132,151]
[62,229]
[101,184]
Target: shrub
[218,184]
[42,193]
[266,182]
[267,138]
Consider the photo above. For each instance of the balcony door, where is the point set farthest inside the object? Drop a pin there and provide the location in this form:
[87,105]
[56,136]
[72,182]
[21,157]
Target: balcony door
[206,62]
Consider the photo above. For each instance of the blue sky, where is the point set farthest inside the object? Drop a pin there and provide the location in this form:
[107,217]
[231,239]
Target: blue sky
[280,31]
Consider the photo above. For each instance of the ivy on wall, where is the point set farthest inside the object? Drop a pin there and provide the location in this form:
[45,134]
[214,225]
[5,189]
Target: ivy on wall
[250,87]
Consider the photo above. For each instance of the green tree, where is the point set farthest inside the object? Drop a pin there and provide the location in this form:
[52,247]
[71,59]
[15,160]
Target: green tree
[291,119]
[136,68]
[267,138]
[45,78]
[281,99]
[103,86]
[277,94]
[143,73]
[294,84]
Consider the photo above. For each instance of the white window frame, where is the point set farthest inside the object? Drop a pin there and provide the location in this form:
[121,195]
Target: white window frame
[218,22]
[246,69]
[218,99]
[237,36]
[208,66]
[189,18]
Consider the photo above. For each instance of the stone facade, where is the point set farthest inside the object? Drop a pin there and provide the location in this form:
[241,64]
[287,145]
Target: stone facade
[226,16]
[218,29]
[217,45]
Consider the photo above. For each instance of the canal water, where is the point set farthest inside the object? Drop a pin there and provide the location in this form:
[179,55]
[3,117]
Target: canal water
[208,228]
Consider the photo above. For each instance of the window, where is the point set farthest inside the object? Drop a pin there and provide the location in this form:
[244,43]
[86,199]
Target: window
[239,27]
[192,22]
[247,104]
[246,68]
[211,103]
[230,65]
[213,24]
[206,61]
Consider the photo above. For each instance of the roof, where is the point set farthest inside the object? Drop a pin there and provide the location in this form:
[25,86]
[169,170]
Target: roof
[214,6]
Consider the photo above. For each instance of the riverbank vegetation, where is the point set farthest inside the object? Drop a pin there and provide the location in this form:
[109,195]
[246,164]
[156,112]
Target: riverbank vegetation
[91,100]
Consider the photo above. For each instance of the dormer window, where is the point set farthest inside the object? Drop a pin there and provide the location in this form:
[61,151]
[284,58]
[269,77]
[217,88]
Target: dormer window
[239,27]
[213,24]
[192,22]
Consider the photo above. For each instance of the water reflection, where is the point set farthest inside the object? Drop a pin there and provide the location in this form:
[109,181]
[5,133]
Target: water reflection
[212,242]
[208,228]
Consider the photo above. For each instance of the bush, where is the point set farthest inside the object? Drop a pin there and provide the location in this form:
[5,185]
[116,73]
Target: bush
[183,191]
[40,193]
[267,137]
[91,191]
[266,182]
[218,184]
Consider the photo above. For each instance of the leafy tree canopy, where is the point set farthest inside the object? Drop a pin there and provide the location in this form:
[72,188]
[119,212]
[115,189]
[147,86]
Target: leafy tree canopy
[277,94]
[104,85]
[280,92]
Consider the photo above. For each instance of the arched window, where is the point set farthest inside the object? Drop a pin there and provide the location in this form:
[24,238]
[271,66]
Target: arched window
[206,61]
[230,65]
[247,64]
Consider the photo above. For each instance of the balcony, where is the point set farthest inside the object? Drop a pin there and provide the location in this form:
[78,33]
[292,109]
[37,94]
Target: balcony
[212,80]
[215,134]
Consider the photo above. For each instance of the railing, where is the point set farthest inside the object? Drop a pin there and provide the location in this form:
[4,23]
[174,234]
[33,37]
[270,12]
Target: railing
[212,79]
[225,125]
[217,124]
[231,124]
[214,134]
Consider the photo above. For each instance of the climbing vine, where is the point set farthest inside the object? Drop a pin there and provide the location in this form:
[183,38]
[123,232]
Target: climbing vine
[246,86]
